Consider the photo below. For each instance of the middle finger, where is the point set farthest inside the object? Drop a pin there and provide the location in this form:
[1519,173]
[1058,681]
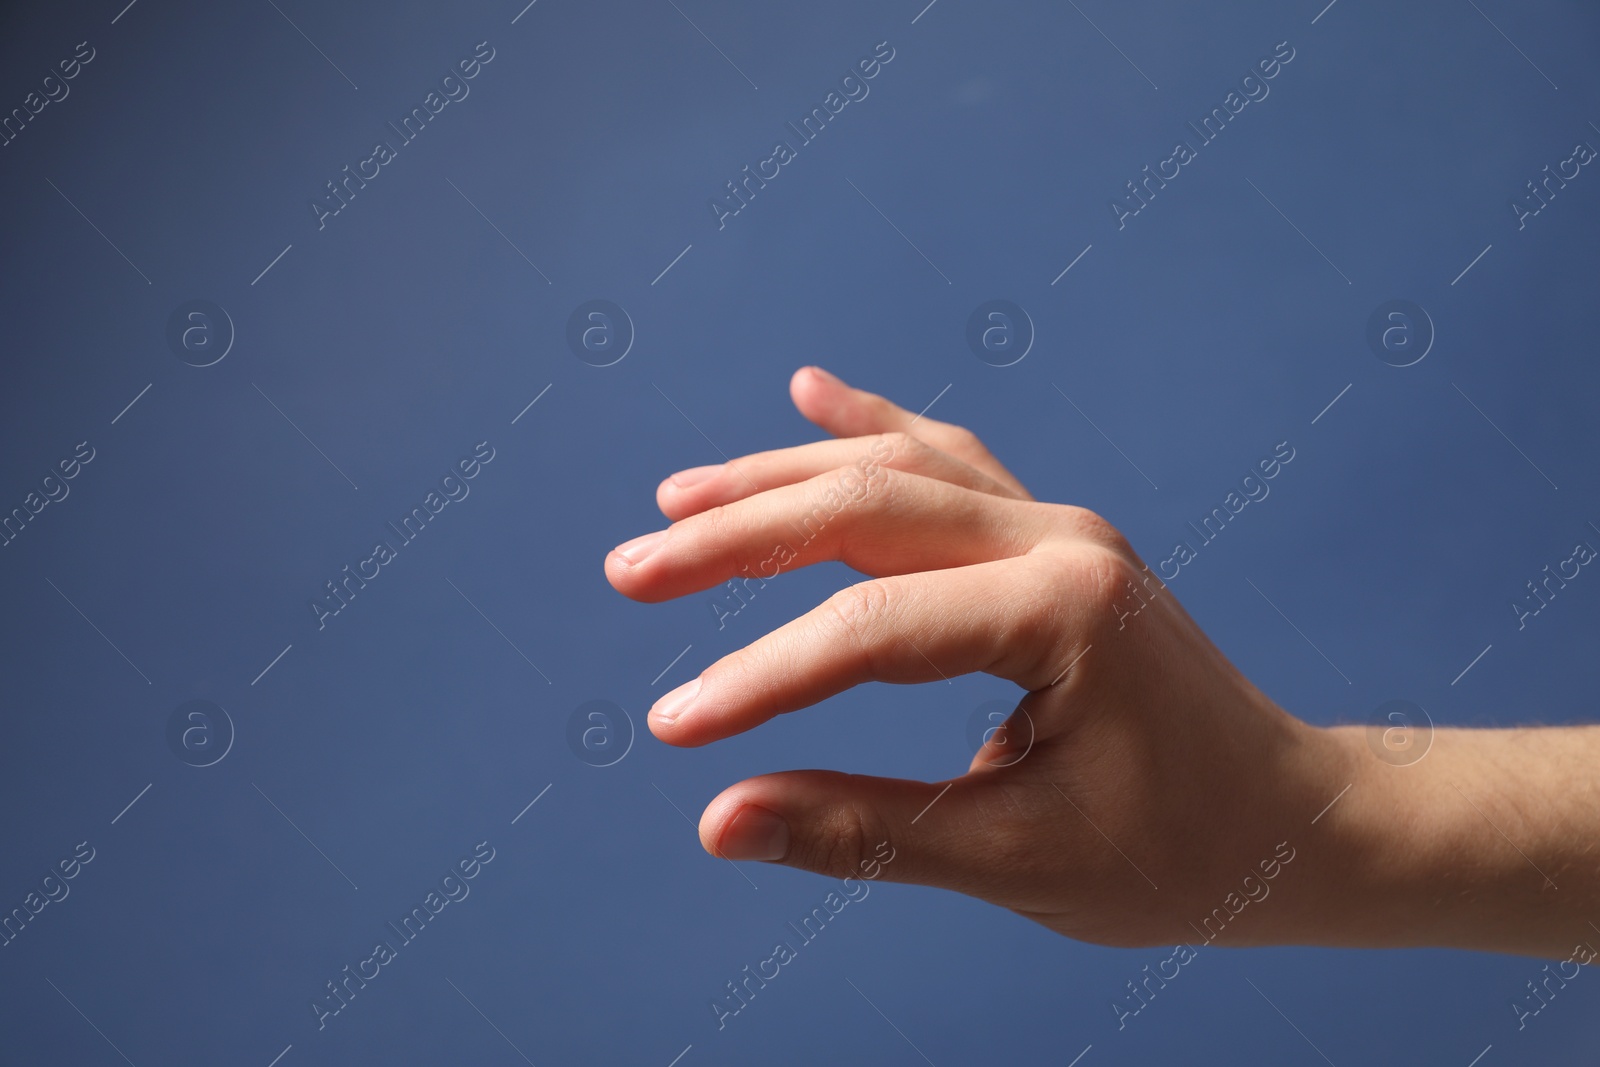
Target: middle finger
[890,522]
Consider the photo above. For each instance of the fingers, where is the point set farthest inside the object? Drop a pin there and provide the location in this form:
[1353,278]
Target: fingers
[861,828]
[877,520]
[848,412]
[692,491]
[1012,618]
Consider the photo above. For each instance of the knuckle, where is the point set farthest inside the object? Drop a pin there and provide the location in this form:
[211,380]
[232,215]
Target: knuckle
[837,844]
[841,488]
[858,609]
[901,444]
[1096,578]
[714,526]
[1093,527]
[966,440]
[1087,587]
[712,521]
[874,494]
[1114,589]
[890,478]
[846,478]
[857,613]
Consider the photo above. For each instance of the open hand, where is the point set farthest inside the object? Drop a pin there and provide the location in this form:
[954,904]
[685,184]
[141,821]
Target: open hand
[1147,779]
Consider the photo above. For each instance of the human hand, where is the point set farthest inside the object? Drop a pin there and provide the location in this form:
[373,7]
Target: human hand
[1145,791]
[1153,762]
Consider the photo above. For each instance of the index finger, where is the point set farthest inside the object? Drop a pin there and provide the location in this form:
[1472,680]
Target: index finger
[904,629]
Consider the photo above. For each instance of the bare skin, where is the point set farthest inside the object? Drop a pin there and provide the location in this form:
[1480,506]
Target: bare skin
[1158,779]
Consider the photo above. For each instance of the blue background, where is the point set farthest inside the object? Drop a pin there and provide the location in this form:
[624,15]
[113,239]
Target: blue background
[408,329]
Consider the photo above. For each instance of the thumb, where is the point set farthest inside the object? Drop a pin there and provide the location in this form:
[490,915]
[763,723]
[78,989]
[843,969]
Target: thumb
[855,826]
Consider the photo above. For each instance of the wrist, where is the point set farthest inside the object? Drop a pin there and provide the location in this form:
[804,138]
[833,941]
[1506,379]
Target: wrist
[1463,847]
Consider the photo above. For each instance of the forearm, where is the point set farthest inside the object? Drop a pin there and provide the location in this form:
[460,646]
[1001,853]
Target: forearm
[1488,842]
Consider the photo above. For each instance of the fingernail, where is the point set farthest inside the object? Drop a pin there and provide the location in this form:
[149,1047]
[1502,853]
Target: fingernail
[755,834]
[669,707]
[824,375]
[640,547]
[696,475]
